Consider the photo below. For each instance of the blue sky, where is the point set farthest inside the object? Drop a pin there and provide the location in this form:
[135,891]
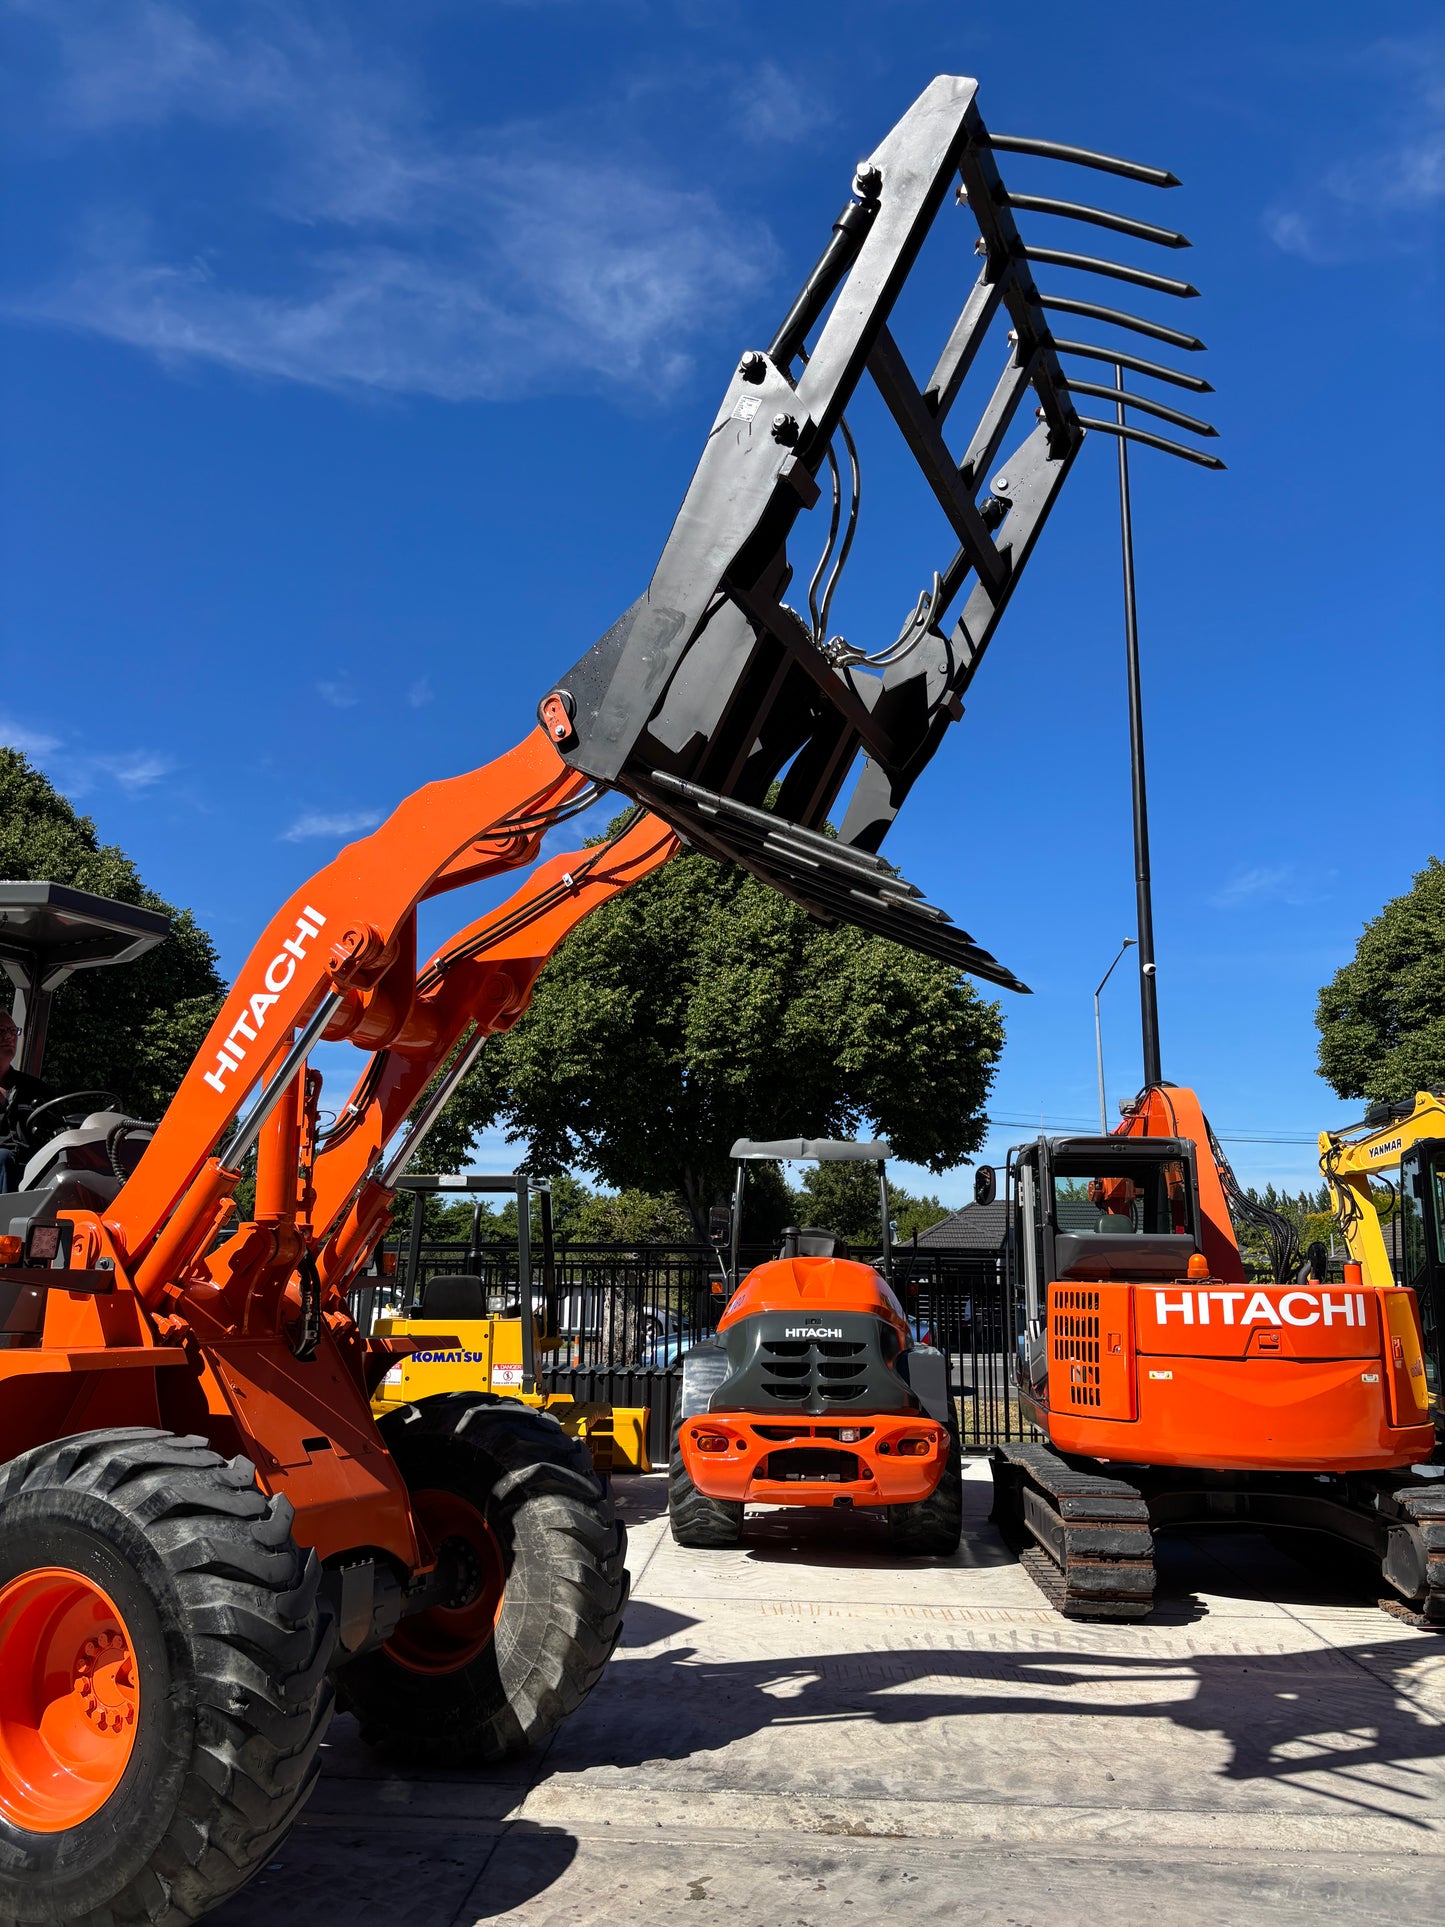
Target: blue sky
[356,359]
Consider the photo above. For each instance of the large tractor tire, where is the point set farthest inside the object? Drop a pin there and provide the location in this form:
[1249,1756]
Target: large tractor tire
[163,1690]
[697,1522]
[465,1685]
[931,1528]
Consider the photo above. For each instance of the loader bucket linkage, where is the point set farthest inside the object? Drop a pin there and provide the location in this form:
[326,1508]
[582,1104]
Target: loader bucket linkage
[710,689]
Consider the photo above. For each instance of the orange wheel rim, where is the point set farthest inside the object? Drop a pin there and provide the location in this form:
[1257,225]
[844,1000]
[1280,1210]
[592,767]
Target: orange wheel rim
[69,1699]
[443,1639]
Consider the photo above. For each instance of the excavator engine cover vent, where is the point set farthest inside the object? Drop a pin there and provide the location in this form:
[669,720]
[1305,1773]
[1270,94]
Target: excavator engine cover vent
[1091,1351]
[1075,1325]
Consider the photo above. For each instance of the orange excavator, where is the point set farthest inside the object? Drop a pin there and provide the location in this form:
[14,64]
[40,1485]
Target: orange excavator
[206,1538]
[1170,1390]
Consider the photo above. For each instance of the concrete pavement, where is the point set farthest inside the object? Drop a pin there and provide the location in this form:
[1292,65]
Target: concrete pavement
[807,1731]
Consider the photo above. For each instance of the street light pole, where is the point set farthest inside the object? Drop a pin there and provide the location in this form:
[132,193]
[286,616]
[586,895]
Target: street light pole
[1099,1039]
[1148,988]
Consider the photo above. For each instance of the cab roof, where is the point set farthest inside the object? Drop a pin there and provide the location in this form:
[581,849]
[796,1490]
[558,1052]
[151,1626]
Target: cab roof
[814,1150]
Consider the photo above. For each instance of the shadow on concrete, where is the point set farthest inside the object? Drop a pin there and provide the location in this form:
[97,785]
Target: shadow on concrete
[432,1875]
[1345,1711]
[1273,1566]
[829,1537]
[815,1536]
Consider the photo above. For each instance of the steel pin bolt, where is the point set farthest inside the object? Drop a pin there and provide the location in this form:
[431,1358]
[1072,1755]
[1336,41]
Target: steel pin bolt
[867,181]
[753,367]
[785,429]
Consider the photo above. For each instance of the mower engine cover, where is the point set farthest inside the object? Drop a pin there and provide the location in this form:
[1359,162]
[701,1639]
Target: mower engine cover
[816,1336]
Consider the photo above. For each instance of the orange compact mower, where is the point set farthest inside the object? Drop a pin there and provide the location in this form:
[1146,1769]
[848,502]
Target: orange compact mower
[814,1391]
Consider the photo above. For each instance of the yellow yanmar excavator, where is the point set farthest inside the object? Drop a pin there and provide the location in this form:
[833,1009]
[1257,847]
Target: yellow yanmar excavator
[1406,1139]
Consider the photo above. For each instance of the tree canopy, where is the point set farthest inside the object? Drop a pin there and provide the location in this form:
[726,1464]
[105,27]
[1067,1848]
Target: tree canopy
[1381,1017]
[701,1007]
[844,1198]
[133,1028]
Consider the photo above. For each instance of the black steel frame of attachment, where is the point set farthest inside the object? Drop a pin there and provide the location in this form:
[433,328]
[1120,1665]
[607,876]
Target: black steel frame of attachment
[739,721]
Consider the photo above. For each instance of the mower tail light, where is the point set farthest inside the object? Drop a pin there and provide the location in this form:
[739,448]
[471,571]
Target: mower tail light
[913,1448]
[710,1441]
[11,1250]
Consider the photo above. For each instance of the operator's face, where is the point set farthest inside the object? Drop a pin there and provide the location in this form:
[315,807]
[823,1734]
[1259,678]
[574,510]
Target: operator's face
[9,1038]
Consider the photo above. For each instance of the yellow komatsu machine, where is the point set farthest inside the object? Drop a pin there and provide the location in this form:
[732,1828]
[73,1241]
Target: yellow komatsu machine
[1403,1145]
[469,1336]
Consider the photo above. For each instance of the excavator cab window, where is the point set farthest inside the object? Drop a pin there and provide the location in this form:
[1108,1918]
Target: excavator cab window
[1422,1247]
[1140,1198]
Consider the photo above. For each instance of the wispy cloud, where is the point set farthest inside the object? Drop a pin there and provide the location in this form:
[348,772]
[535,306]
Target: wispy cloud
[132,771]
[1381,194]
[338,692]
[769,106]
[420,693]
[141,770]
[29,742]
[1264,883]
[487,265]
[329,823]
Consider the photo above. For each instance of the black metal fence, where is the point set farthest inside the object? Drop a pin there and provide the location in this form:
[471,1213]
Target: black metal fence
[625,1314]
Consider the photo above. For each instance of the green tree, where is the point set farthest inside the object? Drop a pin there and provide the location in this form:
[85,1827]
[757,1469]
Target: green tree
[1381,1017]
[844,1198]
[135,1028]
[701,1007]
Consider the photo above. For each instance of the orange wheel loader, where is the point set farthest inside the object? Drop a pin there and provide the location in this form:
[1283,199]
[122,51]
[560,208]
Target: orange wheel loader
[206,1537]
[1170,1390]
[814,1391]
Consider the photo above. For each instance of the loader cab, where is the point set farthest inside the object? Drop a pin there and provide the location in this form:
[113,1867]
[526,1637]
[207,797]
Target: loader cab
[807,1241]
[71,1149]
[1422,1252]
[1095,1209]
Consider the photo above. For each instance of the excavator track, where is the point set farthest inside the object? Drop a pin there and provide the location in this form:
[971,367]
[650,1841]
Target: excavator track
[1425,1510]
[1083,1539]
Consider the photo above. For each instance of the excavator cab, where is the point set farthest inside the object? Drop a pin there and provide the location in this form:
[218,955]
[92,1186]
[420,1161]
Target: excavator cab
[1422,1252]
[1095,1210]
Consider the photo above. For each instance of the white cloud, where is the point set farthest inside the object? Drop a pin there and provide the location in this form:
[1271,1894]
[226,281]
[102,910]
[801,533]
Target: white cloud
[138,771]
[420,693]
[134,771]
[1261,883]
[338,692]
[771,107]
[1384,194]
[29,742]
[322,823]
[489,265]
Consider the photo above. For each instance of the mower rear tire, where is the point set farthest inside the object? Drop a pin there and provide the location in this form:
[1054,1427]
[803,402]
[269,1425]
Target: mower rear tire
[697,1522]
[931,1528]
[164,1691]
[470,1684]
